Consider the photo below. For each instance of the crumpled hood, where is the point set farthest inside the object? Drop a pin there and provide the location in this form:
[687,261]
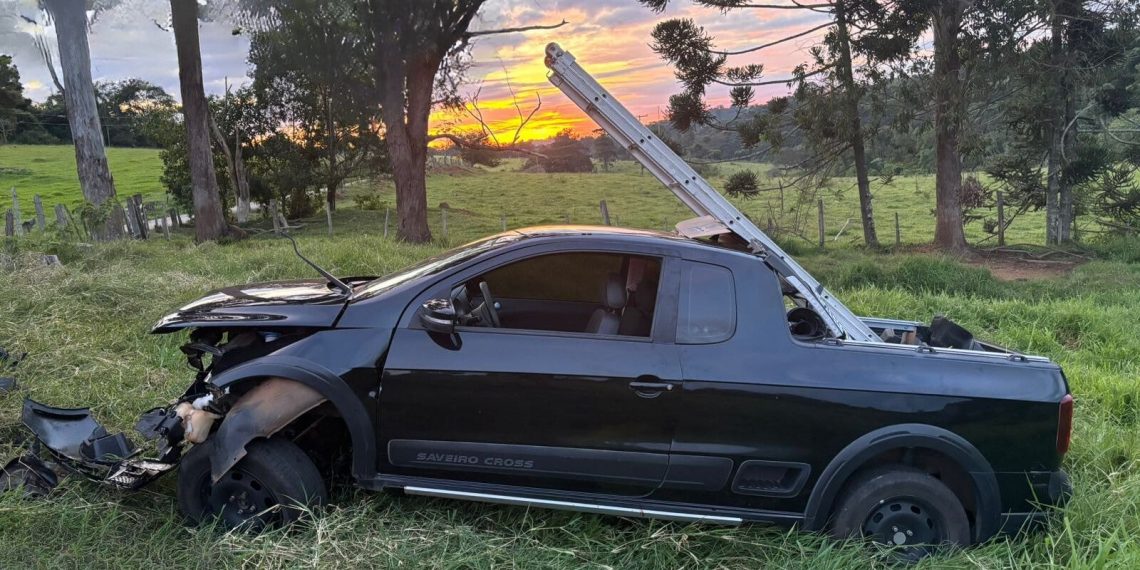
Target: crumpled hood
[304,303]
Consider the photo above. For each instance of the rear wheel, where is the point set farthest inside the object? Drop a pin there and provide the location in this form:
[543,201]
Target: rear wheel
[903,508]
[271,486]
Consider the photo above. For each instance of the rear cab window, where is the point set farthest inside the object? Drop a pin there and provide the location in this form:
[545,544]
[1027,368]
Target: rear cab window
[707,304]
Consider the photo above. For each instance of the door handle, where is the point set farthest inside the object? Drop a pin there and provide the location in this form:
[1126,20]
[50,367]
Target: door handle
[650,386]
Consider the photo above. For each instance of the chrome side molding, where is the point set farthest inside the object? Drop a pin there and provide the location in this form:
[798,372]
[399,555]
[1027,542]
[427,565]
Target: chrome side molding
[571,506]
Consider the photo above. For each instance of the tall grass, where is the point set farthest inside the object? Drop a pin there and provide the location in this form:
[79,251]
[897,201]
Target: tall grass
[85,326]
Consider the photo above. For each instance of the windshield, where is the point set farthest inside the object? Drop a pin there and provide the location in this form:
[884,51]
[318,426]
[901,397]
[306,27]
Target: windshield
[436,264]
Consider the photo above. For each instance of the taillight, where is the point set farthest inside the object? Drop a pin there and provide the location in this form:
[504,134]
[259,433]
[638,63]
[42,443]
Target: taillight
[1065,424]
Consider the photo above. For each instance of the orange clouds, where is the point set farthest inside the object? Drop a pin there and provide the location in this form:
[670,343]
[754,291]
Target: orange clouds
[610,38]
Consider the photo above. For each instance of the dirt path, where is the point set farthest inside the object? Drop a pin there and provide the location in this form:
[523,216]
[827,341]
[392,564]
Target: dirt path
[1024,266]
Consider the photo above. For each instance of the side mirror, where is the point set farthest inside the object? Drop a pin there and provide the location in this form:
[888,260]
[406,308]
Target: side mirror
[438,315]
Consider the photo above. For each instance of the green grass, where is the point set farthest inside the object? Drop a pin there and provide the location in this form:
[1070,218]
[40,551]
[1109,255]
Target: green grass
[480,200]
[50,172]
[85,325]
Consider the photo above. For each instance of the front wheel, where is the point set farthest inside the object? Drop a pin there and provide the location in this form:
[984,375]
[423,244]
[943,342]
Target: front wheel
[272,485]
[902,508]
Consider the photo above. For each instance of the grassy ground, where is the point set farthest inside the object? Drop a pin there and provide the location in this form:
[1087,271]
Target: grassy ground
[480,201]
[50,172]
[85,326]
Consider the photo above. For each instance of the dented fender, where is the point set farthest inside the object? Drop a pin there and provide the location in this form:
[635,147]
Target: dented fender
[350,406]
[261,412]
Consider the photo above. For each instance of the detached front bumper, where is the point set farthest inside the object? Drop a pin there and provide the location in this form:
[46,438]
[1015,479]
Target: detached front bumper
[76,442]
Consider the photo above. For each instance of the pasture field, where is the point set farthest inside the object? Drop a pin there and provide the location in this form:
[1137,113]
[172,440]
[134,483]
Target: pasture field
[637,199]
[85,326]
[49,170]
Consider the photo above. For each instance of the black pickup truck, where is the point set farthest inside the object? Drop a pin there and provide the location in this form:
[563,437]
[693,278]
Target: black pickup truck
[604,370]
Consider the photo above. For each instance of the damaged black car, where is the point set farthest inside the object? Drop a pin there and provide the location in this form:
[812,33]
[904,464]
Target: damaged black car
[597,369]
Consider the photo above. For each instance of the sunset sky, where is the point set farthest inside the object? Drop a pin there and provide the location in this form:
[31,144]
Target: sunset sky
[610,38]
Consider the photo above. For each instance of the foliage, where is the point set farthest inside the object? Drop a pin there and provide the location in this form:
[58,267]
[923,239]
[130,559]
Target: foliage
[742,184]
[15,109]
[607,150]
[1117,198]
[326,99]
[131,110]
[565,153]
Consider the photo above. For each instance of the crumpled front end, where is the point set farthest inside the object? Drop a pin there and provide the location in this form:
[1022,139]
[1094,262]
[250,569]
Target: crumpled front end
[71,441]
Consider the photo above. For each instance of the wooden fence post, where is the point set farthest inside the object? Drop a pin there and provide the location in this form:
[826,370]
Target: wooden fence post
[328,216]
[9,224]
[16,211]
[41,221]
[133,219]
[503,221]
[781,181]
[273,216]
[443,213]
[140,213]
[822,236]
[387,215]
[60,216]
[898,233]
[165,227]
[174,219]
[1001,218]
[605,212]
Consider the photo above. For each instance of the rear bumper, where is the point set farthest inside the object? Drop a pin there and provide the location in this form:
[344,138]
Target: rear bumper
[1052,490]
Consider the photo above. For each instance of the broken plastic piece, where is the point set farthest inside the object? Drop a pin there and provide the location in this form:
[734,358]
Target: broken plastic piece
[29,473]
[79,443]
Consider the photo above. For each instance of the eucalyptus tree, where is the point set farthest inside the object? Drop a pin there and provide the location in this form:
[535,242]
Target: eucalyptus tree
[209,217]
[70,17]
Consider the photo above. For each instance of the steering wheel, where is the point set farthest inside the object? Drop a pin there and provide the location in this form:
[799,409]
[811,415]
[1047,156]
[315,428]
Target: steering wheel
[488,308]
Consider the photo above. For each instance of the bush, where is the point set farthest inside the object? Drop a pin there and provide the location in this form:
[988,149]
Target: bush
[742,184]
[370,201]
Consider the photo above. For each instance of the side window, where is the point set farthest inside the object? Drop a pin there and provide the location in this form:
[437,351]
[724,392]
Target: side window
[579,292]
[556,277]
[707,307]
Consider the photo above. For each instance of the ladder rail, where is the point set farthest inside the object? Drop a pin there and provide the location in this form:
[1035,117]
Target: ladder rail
[692,189]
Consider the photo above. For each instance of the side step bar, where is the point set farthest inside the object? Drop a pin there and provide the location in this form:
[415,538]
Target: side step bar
[571,506]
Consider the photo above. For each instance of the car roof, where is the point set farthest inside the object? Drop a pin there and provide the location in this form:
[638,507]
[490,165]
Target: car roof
[611,233]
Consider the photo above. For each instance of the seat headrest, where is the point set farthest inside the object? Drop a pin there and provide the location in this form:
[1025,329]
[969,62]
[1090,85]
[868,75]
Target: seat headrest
[613,292]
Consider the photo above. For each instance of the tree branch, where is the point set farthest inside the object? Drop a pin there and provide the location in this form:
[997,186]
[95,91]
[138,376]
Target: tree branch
[770,44]
[774,81]
[470,35]
[793,6]
[462,142]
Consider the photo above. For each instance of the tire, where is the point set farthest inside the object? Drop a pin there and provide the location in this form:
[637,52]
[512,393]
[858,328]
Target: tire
[902,508]
[273,485]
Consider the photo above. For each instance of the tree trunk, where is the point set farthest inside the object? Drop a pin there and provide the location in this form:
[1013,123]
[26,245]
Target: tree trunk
[330,148]
[949,107]
[1064,113]
[851,100]
[406,120]
[232,159]
[95,179]
[242,181]
[209,219]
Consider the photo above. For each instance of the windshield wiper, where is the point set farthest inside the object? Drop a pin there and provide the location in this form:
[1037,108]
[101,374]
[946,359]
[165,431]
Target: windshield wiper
[344,287]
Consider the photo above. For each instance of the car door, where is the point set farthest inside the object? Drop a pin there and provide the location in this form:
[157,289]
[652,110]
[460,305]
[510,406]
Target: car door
[532,408]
